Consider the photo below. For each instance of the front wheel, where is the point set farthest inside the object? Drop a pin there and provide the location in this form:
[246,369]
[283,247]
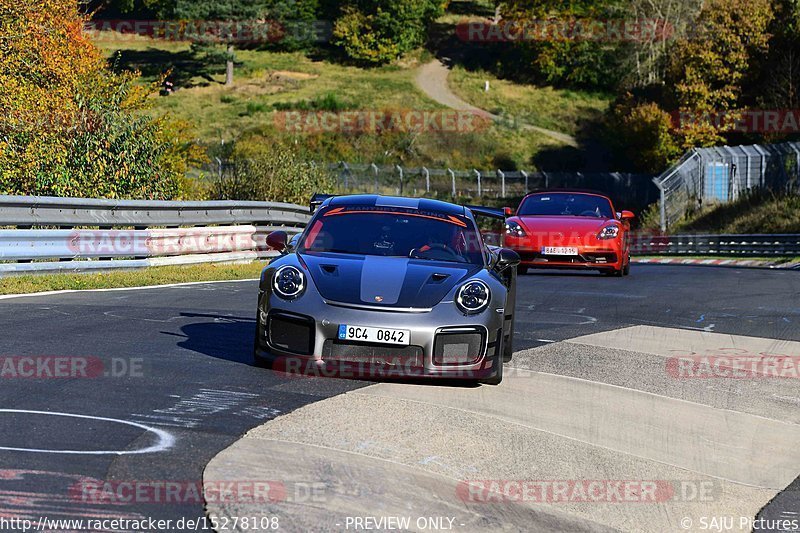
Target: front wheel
[508,344]
[499,376]
[522,270]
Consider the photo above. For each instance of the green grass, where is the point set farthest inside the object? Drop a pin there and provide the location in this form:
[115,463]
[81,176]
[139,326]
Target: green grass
[562,110]
[267,82]
[756,213]
[133,278]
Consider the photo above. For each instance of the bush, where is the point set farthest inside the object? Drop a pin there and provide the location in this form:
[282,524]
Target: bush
[326,102]
[378,32]
[643,135]
[262,170]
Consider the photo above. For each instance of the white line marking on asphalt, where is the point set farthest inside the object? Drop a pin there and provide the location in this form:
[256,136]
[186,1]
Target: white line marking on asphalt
[116,289]
[165,440]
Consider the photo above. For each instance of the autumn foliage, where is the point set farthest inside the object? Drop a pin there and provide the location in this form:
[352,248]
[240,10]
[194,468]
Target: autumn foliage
[69,126]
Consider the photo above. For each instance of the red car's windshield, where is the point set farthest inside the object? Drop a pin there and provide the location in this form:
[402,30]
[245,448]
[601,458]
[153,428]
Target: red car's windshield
[566,204]
[395,233]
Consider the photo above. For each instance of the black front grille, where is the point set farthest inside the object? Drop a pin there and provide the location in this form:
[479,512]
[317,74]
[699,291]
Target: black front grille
[291,333]
[459,346]
[379,354]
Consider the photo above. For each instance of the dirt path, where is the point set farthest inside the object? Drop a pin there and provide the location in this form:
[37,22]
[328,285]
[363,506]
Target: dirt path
[432,80]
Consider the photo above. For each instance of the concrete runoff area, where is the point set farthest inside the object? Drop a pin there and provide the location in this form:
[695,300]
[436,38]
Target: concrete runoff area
[421,452]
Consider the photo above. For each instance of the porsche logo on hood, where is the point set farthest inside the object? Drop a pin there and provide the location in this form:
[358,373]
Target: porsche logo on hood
[379,299]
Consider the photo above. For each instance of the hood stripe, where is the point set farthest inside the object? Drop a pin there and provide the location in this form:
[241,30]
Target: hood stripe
[382,277]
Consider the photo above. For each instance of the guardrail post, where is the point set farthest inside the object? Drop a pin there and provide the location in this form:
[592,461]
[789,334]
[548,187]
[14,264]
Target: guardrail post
[453,180]
[525,175]
[662,204]
[400,172]
[345,174]
[502,176]
[375,171]
[478,174]
[427,179]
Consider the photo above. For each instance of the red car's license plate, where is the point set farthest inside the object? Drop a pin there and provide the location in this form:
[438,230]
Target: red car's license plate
[559,250]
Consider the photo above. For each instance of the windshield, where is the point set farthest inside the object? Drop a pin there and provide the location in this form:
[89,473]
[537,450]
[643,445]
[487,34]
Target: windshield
[395,232]
[566,204]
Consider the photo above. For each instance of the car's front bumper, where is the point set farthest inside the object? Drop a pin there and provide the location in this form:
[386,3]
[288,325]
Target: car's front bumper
[303,338]
[604,255]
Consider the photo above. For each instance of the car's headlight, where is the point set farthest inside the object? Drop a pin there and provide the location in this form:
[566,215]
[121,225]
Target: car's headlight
[289,282]
[513,228]
[609,232]
[473,297]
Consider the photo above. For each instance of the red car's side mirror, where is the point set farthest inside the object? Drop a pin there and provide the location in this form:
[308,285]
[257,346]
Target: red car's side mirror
[508,212]
[627,215]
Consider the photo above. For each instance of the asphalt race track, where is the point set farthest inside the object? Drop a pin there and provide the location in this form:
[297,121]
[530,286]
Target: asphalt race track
[175,387]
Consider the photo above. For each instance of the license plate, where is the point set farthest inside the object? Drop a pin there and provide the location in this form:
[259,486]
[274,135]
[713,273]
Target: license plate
[378,335]
[559,250]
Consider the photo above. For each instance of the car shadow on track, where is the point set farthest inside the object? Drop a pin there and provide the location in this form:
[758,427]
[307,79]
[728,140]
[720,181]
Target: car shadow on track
[231,339]
[219,336]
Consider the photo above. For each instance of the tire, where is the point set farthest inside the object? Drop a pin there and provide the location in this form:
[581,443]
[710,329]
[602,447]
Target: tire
[258,361]
[522,270]
[508,345]
[614,273]
[499,376]
[627,270]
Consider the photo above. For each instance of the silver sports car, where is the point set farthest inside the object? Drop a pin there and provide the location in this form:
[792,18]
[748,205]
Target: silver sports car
[387,287]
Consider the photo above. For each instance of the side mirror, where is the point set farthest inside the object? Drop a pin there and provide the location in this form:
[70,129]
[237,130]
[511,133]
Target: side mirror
[294,242]
[278,240]
[508,212]
[627,215]
[506,259]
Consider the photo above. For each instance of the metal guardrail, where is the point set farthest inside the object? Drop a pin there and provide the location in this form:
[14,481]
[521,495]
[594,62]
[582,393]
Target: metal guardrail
[727,245]
[134,234]
[73,212]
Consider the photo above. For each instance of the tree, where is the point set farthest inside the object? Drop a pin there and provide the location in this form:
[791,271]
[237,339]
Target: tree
[68,125]
[228,11]
[709,68]
[778,86]
[647,63]
[643,135]
[374,32]
[562,59]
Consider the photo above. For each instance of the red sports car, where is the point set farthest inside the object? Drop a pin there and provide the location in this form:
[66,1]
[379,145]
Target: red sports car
[570,229]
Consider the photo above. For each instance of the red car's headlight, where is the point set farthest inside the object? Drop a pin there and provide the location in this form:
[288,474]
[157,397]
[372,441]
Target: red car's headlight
[609,232]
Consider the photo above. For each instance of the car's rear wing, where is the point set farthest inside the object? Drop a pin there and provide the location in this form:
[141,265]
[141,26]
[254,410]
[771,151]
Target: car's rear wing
[318,199]
[491,212]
